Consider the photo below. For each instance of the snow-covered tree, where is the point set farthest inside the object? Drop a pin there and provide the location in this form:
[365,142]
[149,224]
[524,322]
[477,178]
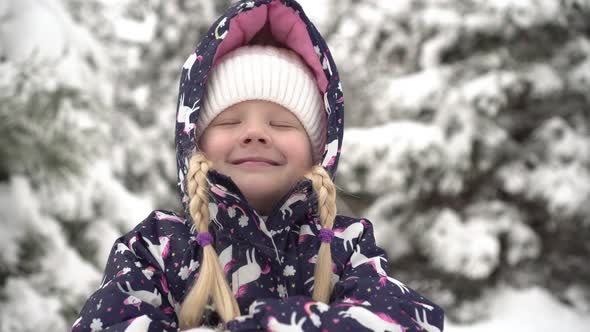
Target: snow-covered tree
[471,152]
[467,140]
[87,110]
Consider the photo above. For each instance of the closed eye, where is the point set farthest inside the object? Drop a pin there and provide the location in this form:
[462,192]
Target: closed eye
[282,125]
[227,123]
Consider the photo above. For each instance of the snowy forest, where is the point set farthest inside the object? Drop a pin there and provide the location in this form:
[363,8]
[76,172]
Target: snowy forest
[467,144]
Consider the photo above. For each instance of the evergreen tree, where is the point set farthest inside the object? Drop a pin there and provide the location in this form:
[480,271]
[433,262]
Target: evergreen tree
[467,141]
[473,153]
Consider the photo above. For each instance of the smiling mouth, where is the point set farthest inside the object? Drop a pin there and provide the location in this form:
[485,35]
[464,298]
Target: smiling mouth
[255,161]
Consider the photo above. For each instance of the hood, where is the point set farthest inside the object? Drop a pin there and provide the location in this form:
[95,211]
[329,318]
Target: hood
[291,28]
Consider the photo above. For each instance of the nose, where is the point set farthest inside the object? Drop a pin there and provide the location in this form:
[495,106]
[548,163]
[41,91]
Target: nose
[255,135]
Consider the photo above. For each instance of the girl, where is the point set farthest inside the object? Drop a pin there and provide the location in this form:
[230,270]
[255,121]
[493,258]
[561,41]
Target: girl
[259,248]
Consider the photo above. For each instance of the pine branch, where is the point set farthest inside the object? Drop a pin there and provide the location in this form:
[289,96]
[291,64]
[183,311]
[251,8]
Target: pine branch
[39,136]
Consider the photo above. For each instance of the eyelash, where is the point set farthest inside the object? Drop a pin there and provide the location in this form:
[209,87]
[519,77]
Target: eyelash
[273,124]
[281,125]
[228,123]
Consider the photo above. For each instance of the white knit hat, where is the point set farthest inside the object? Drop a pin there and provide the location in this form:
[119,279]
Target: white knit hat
[266,73]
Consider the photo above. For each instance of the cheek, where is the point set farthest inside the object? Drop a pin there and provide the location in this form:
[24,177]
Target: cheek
[299,149]
[214,145]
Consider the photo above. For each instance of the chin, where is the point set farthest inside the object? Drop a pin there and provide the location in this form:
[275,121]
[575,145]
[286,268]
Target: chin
[254,192]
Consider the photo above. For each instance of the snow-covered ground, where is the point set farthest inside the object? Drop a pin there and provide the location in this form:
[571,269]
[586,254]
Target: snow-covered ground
[526,310]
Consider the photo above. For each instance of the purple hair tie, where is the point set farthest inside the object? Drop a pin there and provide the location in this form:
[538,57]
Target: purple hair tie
[204,239]
[326,235]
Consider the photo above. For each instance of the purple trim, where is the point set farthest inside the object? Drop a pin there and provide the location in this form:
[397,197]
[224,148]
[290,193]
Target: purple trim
[326,235]
[204,239]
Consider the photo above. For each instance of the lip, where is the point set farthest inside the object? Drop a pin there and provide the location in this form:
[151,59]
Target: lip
[254,161]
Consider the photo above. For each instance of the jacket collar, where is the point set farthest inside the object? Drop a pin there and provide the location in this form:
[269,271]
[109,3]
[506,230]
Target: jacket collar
[232,215]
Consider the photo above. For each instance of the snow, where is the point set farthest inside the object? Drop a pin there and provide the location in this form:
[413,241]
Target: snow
[462,248]
[396,8]
[61,276]
[134,31]
[317,11]
[408,93]
[392,148]
[12,194]
[56,41]
[34,312]
[387,226]
[526,310]
[544,78]
[579,77]
[565,188]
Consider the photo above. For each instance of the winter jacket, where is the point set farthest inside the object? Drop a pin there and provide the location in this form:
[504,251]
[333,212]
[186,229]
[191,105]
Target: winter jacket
[268,262]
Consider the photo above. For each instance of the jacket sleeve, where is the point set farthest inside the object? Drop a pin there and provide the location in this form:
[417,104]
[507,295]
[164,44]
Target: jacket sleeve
[365,299]
[134,293]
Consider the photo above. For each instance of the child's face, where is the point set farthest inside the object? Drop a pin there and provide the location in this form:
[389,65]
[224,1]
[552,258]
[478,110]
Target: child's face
[262,146]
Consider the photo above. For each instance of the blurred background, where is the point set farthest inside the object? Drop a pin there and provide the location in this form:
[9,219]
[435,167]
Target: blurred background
[467,143]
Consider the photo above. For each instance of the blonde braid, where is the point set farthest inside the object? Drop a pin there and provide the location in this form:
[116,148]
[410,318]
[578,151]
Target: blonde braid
[326,193]
[211,280]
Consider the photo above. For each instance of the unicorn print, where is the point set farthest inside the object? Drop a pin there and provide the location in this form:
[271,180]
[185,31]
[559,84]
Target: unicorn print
[159,251]
[121,247]
[246,273]
[184,113]
[350,233]
[170,217]
[327,104]
[423,322]
[77,322]
[315,319]
[373,322]
[424,305]
[190,61]
[295,326]
[252,310]
[305,232]
[354,301]
[213,211]
[141,323]
[326,65]
[246,5]
[133,301]
[153,298]
[331,151]
[222,192]
[262,227]
[171,300]
[357,258]
[124,271]
[225,259]
[294,198]
[181,184]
